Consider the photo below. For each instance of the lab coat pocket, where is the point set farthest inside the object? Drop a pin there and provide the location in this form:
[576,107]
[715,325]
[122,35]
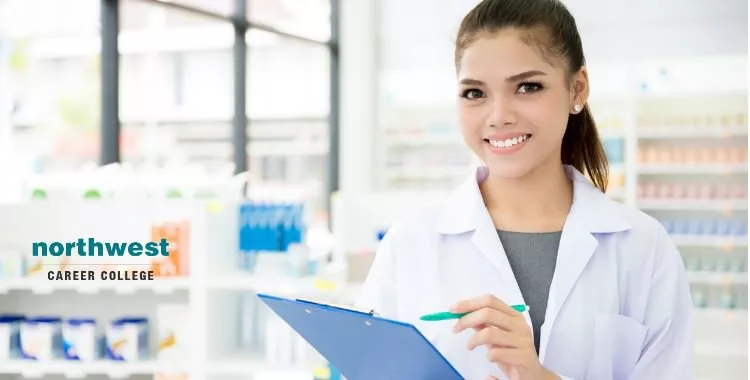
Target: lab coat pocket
[618,342]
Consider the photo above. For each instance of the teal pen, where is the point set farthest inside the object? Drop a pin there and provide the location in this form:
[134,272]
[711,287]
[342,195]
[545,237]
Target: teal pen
[446,315]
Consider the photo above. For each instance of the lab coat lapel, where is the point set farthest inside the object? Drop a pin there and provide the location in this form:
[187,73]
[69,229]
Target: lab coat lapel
[485,238]
[591,213]
[577,245]
[465,212]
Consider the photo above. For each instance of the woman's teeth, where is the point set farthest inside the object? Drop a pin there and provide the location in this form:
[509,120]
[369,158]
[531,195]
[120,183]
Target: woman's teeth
[507,143]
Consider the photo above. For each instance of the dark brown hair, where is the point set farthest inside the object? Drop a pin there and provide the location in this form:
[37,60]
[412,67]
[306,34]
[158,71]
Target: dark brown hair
[553,29]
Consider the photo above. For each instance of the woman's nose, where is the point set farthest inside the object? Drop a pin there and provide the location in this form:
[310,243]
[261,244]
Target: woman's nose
[502,112]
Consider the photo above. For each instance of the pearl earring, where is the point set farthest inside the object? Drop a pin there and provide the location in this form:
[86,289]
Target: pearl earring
[577,108]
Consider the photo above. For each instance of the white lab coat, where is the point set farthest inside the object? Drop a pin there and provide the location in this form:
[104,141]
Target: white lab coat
[619,304]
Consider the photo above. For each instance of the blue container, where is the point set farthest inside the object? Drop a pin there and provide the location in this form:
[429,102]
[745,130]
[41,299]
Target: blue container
[248,235]
[614,149]
[12,322]
[79,340]
[680,227]
[723,227]
[41,338]
[739,228]
[709,227]
[127,339]
[264,230]
[668,226]
[695,227]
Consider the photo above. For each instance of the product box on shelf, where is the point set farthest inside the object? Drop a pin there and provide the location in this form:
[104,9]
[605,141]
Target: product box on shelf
[127,339]
[11,263]
[41,338]
[177,235]
[80,342]
[10,336]
[171,376]
[173,332]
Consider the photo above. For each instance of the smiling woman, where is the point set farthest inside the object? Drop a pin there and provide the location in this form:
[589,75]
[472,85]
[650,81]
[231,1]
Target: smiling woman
[539,93]
[529,228]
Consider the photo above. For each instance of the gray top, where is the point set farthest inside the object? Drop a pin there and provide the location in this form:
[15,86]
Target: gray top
[532,257]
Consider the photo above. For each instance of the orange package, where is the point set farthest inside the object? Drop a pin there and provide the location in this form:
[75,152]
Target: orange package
[178,235]
[170,376]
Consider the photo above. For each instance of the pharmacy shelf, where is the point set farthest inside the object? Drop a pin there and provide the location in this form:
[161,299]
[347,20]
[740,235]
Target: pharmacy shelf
[44,286]
[721,205]
[692,169]
[718,315]
[284,286]
[424,140]
[716,329]
[428,172]
[75,370]
[718,278]
[255,364]
[722,351]
[610,134]
[671,133]
[618,193]
[726,242]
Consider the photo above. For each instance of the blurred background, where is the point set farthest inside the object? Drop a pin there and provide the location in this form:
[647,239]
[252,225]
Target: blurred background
[273,142]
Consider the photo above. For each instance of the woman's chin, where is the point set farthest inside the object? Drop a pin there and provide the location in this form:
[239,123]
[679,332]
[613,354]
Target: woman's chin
[508,169]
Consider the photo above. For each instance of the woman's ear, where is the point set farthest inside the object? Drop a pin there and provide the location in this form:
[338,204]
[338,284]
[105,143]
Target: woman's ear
[580,88]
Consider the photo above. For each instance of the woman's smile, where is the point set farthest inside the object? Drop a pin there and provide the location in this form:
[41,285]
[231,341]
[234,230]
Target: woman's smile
[507,144]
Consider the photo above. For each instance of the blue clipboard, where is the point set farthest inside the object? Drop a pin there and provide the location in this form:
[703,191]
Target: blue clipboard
[363,346]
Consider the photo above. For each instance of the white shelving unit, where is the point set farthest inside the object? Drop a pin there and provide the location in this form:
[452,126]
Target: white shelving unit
[691,160]
[214,292]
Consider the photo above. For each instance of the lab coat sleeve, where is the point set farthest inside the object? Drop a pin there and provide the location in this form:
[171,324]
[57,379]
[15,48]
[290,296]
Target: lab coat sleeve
[668,347]
[379,290]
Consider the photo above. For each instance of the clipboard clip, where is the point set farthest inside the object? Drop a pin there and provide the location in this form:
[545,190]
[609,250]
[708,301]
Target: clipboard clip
[371,312]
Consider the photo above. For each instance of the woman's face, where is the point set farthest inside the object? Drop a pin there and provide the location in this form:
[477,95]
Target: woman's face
[513,104]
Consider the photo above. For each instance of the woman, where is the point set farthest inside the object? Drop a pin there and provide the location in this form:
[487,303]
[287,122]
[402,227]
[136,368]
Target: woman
[606,287]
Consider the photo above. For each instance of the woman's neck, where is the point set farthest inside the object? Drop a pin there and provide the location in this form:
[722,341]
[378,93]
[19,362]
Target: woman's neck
[537,202]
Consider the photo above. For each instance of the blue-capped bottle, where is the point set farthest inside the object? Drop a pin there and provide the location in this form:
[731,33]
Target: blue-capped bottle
[249,221]
[298,226]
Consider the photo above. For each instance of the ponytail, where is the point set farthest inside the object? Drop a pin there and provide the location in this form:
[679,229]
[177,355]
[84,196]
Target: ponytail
[582,148]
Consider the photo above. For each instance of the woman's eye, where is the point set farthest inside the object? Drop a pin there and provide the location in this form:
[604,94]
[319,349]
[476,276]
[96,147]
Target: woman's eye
[529,87]
[472,94]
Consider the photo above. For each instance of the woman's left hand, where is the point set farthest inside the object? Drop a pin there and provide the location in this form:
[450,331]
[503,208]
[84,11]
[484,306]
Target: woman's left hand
[504,331]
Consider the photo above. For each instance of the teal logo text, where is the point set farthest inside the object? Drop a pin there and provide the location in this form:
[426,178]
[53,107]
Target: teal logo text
[92,248]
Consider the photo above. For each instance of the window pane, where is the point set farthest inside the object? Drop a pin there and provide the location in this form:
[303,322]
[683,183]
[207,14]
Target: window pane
[288,105]
[51,76]
[141,15]
[64,18]
[308,18]
[223,7]
[292,152]
[287,78]
[176,87]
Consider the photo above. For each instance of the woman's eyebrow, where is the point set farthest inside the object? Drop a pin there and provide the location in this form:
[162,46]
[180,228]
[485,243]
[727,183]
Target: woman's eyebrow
[512,78]
[472,82]
[524,75]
